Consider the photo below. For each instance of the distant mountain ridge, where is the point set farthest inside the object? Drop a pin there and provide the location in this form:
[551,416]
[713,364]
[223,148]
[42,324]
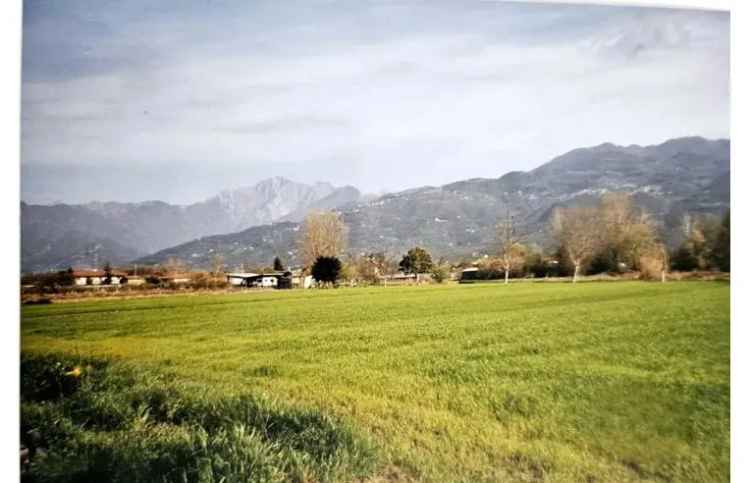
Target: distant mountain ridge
[61,235]
[681,176]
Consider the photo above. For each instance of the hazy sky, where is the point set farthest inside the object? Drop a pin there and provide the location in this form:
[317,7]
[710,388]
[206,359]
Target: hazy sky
[177,100]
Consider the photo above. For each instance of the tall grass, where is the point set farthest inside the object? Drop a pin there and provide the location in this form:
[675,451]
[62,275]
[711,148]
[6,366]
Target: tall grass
[88,420]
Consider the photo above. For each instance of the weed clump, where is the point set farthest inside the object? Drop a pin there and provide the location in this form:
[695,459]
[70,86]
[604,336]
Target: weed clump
[93,420]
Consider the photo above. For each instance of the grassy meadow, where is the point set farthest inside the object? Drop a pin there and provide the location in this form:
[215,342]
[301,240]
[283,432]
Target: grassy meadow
[625,381]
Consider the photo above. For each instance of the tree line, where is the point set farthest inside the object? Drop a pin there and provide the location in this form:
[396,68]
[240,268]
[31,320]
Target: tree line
[612,235]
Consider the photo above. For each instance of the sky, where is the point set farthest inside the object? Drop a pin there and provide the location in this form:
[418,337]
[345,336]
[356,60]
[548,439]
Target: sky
[178,100]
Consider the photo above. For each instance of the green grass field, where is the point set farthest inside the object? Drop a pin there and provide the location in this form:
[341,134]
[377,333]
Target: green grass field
[526,382]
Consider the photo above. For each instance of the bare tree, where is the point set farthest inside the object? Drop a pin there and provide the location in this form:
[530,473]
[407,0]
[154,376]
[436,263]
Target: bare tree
[628,231]
[386,266]
[368,267]
[173,265]
[217,265]
[664,258]
[511,252]
[324,234]
[654,262]
[578,230]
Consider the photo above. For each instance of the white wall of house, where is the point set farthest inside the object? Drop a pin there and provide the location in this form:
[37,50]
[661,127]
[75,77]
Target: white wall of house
[268,282]
[83,281]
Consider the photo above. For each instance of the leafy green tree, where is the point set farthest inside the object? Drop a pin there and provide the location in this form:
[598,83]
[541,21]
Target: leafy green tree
[417,260]
[535,265]
[604,261]
[277,265]
[720,253]
[326,269]
[684,259]
[107,274]
[65,277]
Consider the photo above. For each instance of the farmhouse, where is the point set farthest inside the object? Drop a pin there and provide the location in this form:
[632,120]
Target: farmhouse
[97,277]
[263,280]
[240,279]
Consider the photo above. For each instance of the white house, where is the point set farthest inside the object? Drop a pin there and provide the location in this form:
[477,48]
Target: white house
[266,280]
[97,277]
[241,279]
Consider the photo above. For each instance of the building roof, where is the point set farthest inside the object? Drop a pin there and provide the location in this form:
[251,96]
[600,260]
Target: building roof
[172,276]
[253,275]
[95,273]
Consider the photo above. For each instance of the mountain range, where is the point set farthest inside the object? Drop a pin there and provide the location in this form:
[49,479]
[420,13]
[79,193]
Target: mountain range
[683,176]
[62,235]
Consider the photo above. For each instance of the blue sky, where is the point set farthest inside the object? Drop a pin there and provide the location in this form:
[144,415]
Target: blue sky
[176,100]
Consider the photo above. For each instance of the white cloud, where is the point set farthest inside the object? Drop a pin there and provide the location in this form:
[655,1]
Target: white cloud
[346,98]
